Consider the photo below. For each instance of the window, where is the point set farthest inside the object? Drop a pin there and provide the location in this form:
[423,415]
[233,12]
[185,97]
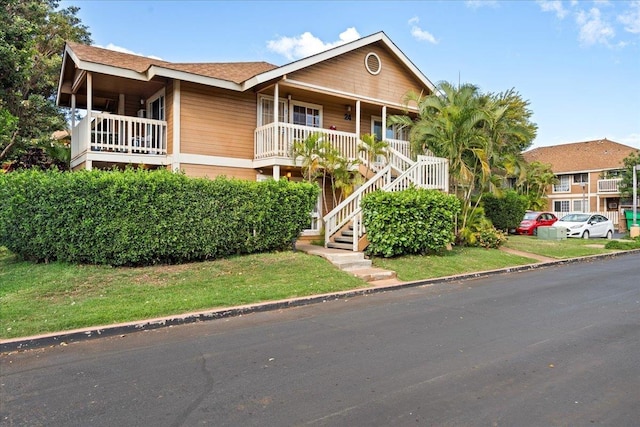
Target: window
[265,115]
[155,106]
[577,206]
[580,178]
[561,206]
[563,185]
[307,115]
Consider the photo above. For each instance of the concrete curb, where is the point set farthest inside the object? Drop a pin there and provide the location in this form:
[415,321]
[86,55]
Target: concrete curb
[66,337]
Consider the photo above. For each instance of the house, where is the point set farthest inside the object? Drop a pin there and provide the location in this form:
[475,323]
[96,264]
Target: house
[241,119]
[587,174]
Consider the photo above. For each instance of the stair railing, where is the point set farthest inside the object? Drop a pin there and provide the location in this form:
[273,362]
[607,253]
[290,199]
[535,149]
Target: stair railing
[346,211]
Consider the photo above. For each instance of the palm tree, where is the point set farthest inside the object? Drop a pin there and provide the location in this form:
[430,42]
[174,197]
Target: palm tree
[373,150]
[480,135]
[308,150]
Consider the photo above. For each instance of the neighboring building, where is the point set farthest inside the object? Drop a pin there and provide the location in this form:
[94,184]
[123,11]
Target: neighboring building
[241,119]
[587,172]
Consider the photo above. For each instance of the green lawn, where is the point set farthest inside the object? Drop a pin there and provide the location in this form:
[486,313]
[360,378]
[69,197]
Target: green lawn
[457,261]
[40,298]
[559,249]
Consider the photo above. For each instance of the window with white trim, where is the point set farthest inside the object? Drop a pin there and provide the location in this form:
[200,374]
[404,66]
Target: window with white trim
[306,114]
[265,113]
[561,205]
[156,106]
[580,178]
[563,185]
[577,206]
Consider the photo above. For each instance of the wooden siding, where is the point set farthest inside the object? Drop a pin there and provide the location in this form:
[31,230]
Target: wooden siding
[202,171]
[168,112]
[348,73]
[216,122]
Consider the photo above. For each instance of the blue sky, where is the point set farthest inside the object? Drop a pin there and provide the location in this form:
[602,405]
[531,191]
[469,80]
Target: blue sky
[577,62]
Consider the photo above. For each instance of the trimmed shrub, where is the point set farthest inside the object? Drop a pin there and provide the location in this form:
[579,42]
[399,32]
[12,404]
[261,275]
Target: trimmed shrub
[507,211]
[413,221]
[138,217]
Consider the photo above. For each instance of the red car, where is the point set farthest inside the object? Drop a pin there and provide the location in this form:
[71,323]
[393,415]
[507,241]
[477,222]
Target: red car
[533,220]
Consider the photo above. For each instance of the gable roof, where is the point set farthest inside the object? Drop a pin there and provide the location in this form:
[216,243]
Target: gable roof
[594,155]
[235,72]
[238,76]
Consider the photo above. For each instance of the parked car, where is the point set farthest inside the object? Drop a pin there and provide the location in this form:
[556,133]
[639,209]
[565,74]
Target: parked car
[532,220]
[586,225]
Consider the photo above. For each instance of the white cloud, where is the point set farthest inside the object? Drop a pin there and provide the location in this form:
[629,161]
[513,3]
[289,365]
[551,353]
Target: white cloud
[553,6]
[307,44]
[420,34]
[476,4]
[631,18]
[121,49]
[593,30]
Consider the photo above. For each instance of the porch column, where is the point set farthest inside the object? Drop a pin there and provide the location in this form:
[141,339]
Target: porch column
[73,112]
[276,143]
[358,119]
[276,172]
[384,122]
[175,165]
[121,104]
[87,136]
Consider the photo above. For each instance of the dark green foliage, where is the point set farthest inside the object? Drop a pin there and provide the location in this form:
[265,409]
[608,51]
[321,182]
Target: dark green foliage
[507,211]
[623,245]
[146,217]
[488,237]
[409,222]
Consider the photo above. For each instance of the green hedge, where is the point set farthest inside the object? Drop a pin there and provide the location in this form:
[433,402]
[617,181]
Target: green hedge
[146,217]
[505,212]
[409,222]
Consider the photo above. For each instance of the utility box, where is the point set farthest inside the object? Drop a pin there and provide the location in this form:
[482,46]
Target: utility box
[552,233]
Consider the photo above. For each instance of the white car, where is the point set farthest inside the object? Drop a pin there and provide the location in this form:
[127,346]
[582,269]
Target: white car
[586,225]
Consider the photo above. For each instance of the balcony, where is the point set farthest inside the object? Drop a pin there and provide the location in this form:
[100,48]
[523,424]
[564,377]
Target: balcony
[115,138]
[609,186]
[273,143]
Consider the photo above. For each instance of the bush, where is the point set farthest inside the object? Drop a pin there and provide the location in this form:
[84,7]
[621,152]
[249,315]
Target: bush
[489,237]
[146,217]
[409,222]
[623,245]
[507,211]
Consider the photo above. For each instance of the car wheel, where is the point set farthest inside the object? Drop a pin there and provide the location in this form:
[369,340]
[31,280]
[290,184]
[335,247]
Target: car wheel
[535,232]
[609,235]
[585,235]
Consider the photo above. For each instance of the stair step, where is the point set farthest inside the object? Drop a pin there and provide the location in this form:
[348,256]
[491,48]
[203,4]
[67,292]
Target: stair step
[372,274]
[345,246]
[352,264]
[347,233]
[343,239]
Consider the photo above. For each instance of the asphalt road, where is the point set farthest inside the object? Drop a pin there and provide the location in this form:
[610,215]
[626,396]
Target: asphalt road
[558,346]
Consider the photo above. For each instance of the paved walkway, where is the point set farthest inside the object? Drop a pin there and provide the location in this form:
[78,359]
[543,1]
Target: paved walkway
[539,258]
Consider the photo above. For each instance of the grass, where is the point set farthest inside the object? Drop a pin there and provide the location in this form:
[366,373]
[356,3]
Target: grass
[559,249]
[457,261]
[40,298]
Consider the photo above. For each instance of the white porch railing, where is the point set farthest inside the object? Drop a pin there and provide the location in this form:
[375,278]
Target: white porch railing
[611,185]
[119,134]
[276,140]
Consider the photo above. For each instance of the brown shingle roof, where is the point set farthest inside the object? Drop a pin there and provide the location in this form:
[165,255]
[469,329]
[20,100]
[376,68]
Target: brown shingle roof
[600,154]
[236,72]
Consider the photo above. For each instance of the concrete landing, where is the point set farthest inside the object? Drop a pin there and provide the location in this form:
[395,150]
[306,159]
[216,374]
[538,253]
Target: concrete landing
[351,262]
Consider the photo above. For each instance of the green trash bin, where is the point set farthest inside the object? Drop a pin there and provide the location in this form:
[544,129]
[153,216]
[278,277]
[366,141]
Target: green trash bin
[628,214]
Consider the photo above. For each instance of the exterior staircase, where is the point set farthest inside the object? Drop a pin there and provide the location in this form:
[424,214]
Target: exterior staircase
[343,225]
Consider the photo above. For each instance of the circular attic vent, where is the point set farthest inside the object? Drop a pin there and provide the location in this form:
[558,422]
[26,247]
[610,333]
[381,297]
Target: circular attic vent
[373,64]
